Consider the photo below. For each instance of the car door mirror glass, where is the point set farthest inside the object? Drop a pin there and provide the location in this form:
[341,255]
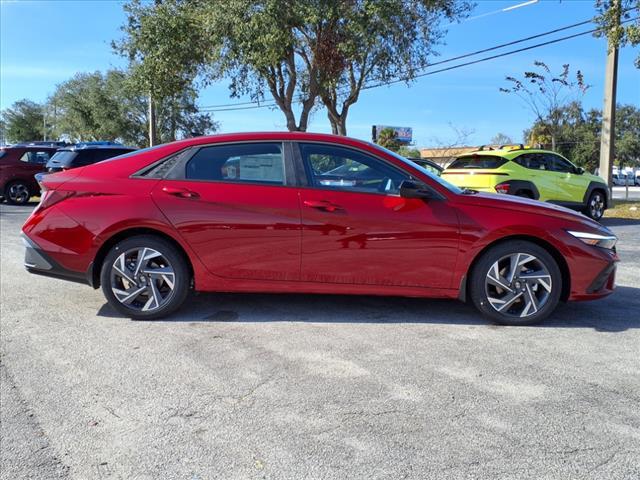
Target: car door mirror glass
[579,170]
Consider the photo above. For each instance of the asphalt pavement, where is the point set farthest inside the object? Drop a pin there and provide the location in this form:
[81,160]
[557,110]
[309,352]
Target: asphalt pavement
[626,193]
[239,386]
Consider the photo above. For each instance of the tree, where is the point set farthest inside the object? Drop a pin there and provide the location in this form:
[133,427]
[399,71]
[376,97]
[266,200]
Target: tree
[105,106]
[579,135]
[162,42]
[376,42]
[409,151]
[387,138]
[502,139]
[546,95]
[610,12]
[294,51]
[23,121]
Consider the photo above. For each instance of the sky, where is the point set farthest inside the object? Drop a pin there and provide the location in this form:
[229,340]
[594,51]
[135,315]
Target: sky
[43,43]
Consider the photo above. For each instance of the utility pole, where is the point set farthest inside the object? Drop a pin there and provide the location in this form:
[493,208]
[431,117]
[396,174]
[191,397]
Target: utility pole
[607,136]
[152,122]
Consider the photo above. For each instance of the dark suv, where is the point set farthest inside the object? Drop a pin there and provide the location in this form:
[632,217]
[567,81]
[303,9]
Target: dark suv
[18,165]
[83,154]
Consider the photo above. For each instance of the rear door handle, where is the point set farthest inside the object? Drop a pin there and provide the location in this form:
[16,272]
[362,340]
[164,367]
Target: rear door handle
[322,205]
[180,192]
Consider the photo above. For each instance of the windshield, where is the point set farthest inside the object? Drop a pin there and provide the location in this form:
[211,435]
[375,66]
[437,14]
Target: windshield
[62,158]
[433,176]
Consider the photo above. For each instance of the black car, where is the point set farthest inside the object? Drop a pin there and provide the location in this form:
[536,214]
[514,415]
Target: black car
[83,154]
[431,166]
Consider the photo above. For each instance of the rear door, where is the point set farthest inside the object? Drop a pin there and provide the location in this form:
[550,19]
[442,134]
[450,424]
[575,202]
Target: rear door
[358,230]
[238,208]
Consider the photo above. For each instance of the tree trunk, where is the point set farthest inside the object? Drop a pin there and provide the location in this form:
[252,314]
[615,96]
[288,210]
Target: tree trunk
[152,122]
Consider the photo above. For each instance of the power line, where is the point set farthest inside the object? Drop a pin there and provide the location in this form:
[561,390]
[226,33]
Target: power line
[254,105]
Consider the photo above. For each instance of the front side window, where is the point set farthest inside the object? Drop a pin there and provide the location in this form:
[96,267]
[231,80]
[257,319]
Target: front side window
[343,168]
[251,163]
[559,164]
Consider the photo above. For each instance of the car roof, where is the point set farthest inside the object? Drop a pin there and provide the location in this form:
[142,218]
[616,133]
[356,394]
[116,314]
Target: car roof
[77,148]
[507,152]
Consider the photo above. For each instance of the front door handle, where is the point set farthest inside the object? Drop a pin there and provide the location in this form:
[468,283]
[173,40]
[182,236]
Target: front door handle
[322,205]
[180,192]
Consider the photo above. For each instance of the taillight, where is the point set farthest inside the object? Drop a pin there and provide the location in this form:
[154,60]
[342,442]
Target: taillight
[50,197]
[502,188]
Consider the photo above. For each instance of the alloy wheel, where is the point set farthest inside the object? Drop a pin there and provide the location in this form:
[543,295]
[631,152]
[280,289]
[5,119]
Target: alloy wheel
[18,193]
[596,206]
[518,285]
[142,279]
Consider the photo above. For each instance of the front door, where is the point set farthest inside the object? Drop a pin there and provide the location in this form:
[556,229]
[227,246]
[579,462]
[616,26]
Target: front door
[358,230]
[231,203]
[570,185]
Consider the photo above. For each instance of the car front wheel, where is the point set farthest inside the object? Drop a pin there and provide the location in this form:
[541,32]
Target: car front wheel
[145,277]
[516,283]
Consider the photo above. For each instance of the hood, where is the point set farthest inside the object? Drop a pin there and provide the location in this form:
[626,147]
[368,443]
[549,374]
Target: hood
[520,204]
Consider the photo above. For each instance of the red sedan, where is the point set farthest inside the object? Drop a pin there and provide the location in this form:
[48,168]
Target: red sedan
[307,213]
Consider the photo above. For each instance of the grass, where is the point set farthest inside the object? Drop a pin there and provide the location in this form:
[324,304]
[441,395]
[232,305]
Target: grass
[624,209]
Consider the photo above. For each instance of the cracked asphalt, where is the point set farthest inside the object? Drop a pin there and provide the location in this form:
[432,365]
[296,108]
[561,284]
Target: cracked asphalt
[313,387]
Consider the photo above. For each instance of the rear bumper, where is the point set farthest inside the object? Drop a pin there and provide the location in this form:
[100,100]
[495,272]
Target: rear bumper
[37,261]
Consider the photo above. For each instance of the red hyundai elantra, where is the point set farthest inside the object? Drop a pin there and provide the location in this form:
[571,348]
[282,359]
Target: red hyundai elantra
[307,213]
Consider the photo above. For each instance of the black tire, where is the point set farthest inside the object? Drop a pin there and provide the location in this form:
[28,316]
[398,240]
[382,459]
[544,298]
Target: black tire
[479,284]
[17,193]
[524,194]
[595,205]
[170,255]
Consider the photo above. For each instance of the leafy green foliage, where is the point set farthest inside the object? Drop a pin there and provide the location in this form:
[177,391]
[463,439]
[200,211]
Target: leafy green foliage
[409,152]
[610,13]
[547,94]
[97,106]
[387,138]
[578,135]
[23,121]
[294,51]
[371,42]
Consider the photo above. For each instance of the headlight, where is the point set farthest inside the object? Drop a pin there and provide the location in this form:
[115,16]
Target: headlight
[596,239]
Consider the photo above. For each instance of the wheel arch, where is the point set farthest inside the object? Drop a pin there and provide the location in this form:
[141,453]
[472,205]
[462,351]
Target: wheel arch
[596,186]
[96,266]
[552,250]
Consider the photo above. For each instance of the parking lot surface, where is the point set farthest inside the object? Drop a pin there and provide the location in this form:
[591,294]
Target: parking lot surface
[322,387]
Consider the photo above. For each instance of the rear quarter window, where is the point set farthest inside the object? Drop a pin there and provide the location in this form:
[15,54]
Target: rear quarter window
[478,162]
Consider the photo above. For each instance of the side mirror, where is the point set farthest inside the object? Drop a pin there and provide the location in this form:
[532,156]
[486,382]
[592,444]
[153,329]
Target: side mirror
[412,189]
[579,170]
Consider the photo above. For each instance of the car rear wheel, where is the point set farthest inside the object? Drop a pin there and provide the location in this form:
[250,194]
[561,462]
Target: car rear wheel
[145,277]
[524,194]
[516,283]
[595,205]
[17,193]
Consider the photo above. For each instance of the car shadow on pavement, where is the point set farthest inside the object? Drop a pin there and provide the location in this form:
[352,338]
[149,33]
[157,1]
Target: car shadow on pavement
[613,314]
[619,222]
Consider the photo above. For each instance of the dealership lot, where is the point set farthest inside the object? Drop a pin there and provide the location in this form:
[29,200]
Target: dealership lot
[286,386]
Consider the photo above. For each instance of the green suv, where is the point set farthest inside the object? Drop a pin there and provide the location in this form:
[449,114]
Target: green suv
[526,172]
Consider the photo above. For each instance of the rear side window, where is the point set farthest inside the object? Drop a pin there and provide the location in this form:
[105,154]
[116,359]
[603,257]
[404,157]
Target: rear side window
[250,163]
[62,158]
[472,162]
[534,161]
[35,157]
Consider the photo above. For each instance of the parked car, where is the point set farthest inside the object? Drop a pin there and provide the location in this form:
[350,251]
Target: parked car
[18,165]
[430,165]
[251,212]
[619,178]
[82,154]
[531,173]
